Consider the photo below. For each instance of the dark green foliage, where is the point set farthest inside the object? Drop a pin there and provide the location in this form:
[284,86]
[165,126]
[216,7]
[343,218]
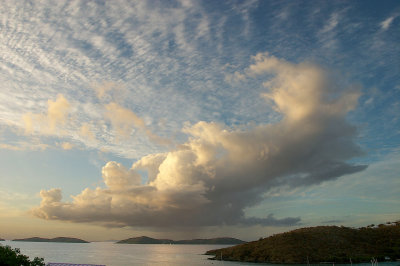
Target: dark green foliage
[320,244]
[13,257]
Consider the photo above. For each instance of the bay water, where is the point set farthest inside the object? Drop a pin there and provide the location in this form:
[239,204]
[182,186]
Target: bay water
[111,254]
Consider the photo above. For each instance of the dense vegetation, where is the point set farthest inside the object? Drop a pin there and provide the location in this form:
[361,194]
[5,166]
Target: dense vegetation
[9,256]
[57,239]
[320,244]
[212,241]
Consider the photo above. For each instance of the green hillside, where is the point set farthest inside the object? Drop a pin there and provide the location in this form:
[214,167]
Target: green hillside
[320,244]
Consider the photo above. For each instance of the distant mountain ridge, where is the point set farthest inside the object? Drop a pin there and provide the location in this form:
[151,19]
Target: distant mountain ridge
[56,239]
[144,240]
[211,241]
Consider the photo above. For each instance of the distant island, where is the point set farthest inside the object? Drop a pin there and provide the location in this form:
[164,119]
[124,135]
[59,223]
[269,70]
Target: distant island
[57,239]
[212,241]
[1,239]
[320,244]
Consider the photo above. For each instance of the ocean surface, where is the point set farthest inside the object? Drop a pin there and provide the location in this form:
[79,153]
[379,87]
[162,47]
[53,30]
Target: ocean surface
[110,254]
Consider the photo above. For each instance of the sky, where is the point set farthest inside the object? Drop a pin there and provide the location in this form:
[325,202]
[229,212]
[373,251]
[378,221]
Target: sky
[197,119]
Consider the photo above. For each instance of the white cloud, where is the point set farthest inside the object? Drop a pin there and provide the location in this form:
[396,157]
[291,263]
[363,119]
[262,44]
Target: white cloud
[387,22]
[6,146]
[211,178]
[124,121]
[67,145]
[49,122]
[116,176]
[234,78]
[86,132]
[332,23]
[34,144]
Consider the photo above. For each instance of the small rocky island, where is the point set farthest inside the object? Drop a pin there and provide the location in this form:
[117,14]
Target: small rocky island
[320,244]
[56,239]
[212,241]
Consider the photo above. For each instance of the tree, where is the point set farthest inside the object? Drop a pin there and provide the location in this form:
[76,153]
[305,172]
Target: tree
[9,256]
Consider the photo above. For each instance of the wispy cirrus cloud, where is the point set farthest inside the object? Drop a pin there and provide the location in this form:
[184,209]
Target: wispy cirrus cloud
[96,45]
[161,54]
[387,22]
[22,146]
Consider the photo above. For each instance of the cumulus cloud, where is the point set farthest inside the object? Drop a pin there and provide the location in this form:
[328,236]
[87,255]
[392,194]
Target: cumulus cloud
[56,121]
[124,121]
[47,123]
[116,176]
[66,145]
[219,172]
[86,132]
[57,111]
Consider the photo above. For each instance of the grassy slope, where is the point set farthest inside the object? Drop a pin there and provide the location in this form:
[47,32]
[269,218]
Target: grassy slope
[319,244]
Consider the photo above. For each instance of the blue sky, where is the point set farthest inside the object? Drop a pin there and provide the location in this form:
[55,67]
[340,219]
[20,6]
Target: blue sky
[262,116]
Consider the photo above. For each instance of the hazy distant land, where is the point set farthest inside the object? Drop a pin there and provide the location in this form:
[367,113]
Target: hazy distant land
[1,239]
[56,239]
[212,241]
[320,244]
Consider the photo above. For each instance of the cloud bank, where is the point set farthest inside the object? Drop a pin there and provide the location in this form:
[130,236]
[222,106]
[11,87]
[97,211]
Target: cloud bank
[219,172]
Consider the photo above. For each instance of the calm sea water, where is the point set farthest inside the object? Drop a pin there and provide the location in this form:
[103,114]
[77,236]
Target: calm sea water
[110,254]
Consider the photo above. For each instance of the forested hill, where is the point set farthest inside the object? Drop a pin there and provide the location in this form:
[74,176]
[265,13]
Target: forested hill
[320,244]
[57,239]
[212,241]
[144,240]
